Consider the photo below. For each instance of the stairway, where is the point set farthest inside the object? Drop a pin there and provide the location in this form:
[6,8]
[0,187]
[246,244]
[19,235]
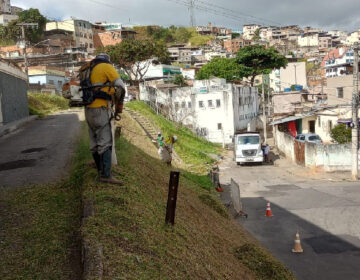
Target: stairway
[151,131]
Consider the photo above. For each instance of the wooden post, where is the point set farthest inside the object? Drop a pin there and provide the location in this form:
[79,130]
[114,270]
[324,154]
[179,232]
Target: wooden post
[172,197]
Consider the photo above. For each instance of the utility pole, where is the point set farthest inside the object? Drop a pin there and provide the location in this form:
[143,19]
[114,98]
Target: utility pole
[355,123]
[192,12]
[264,110]
[23,25]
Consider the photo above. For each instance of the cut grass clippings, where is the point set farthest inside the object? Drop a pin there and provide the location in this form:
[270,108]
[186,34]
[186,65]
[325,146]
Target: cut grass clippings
[193,150]
[39,234]
[44,104]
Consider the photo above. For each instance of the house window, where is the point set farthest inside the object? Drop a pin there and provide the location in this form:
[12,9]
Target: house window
[183,104]
[51,82]
[59,83]
[210,104]
[219,126]
[319,121]
[176,106]
[201,104]
[218,103]
[340,92]
[189,105]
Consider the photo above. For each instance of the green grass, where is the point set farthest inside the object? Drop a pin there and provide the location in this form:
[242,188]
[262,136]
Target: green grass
[192,149]
[129,223]
[256,259]
[39,234]
[45,104]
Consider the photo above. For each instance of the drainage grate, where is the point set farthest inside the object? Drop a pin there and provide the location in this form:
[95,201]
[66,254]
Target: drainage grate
[17,164]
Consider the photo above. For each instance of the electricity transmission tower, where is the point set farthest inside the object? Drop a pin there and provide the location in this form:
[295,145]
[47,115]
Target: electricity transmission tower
[192,12]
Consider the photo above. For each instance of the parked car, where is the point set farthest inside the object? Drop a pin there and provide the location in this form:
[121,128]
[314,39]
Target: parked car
[309,137]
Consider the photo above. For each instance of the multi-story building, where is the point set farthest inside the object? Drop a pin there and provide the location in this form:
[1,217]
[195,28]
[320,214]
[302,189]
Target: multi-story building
[213,108]
[182,53]
[353,38]
[342,35]
[309,39]
[293,74]
[82,32]
[213,30]
[338,62]
[249,30]
[234,45]
[5,7]
[5,19]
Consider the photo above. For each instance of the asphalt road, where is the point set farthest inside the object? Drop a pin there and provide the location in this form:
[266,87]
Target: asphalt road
[325,212]
[41,151]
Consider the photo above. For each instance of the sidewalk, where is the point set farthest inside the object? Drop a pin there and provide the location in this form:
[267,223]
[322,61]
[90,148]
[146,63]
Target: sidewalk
[308,173]
[12,126]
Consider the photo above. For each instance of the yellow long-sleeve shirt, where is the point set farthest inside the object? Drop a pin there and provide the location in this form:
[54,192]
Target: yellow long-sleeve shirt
[103,73]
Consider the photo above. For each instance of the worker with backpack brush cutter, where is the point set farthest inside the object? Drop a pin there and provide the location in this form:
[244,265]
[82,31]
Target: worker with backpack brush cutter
[102,89]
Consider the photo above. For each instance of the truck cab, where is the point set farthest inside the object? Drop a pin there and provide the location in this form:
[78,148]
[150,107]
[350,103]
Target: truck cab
[248,147]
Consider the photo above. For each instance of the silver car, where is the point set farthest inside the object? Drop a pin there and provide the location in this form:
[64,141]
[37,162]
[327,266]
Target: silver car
[309,137]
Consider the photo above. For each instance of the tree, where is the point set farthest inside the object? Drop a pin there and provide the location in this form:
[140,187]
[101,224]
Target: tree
[225,68]
[256,36]
[179,80]
[341,134]
[134,56]
[12,32]
[255,60]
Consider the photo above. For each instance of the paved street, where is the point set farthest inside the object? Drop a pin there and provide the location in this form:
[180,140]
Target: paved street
[40,151]
[323,208]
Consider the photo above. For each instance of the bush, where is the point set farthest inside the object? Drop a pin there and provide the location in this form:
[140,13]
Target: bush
[341,134]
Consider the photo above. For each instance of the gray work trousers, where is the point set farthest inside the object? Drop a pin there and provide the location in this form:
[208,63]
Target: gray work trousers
[98,120]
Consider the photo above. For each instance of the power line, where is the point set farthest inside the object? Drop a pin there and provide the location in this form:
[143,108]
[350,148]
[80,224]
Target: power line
[237,12]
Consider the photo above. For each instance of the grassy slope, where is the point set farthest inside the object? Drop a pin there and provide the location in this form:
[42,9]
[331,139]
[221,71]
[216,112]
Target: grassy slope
[45,104]
[193,150]
[129,222]
[40,225]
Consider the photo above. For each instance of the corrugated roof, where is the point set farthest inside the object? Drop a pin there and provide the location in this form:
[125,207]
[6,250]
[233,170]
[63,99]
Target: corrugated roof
[293,118]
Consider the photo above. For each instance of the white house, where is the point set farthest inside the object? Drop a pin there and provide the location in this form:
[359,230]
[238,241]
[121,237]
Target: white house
[308,40]
[293,74]
[213,108]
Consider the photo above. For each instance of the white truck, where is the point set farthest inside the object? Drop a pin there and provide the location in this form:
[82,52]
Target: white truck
[248,147]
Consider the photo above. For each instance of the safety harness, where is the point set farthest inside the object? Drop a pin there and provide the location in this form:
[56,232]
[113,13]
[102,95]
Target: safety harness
[92,91]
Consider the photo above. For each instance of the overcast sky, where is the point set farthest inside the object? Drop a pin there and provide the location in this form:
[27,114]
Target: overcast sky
[327,14]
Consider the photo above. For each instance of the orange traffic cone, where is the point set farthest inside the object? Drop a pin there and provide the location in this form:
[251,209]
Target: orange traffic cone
[297,244]
[268,210]
[219,189]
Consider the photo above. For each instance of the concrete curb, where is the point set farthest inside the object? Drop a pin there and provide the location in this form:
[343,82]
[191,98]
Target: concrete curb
[10,127]
[91,255]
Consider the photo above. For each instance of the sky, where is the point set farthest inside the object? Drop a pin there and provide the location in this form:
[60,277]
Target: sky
[328,15]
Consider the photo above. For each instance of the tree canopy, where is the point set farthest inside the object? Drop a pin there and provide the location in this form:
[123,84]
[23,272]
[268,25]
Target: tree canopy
[256,60]
[11,33]
[225,68]
[341,134]
[133,56]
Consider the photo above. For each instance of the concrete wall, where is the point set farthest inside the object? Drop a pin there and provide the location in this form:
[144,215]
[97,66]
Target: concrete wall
[329,158]
[284,102]
[246,106]
[285,144]
[345,82]
[13,96]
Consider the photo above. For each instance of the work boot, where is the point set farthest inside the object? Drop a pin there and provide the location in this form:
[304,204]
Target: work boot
[106,176]
[97,160]
[111,180]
